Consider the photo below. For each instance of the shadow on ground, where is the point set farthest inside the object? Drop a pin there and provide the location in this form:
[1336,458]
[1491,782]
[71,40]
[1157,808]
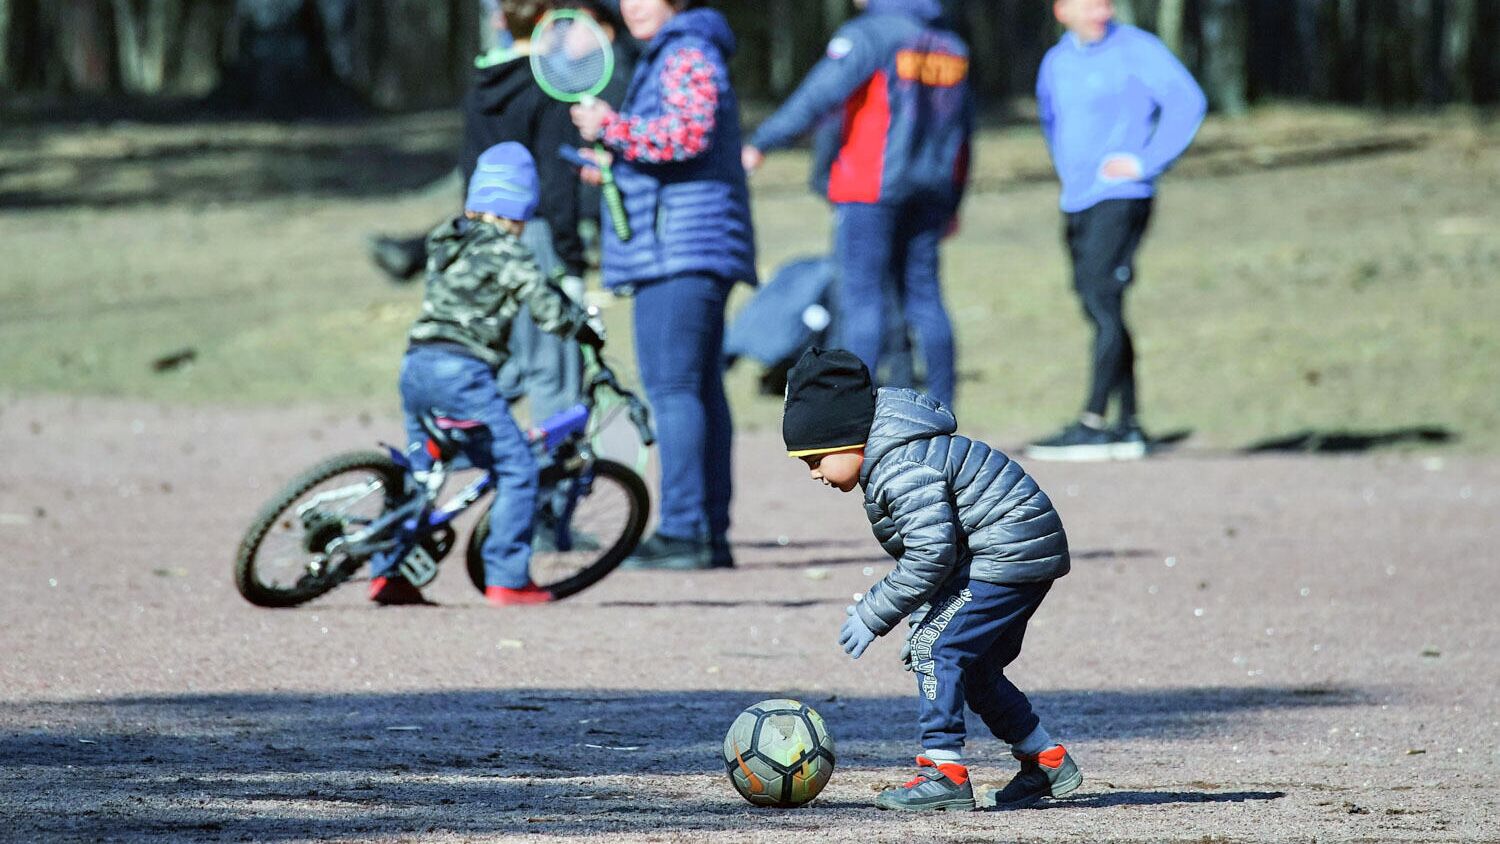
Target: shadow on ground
[279,766]
[223,157]
[1159,798]
[1352,442]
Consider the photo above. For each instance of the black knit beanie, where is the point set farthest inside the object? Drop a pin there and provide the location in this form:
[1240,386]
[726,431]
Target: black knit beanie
[830,403]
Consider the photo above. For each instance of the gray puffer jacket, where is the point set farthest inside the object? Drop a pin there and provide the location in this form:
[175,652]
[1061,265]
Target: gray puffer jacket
[939,502]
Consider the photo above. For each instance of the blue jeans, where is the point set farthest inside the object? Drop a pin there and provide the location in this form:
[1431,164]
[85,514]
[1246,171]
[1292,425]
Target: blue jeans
[960,650]
[679,335]
[872,241]
[440,377]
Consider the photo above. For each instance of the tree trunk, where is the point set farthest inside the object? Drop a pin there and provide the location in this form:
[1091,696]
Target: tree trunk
[1224,31]
[200,52]
[835,12]
[83,43]
[1169,24]
[1310,73]
[147,34]
[6,80]
[783,48]
[989,35]
[1457,41]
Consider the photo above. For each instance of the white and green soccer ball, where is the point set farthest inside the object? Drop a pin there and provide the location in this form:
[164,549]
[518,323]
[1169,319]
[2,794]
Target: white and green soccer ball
[778,753]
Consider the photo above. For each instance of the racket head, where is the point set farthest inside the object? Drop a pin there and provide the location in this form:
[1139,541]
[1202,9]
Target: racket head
[571,56]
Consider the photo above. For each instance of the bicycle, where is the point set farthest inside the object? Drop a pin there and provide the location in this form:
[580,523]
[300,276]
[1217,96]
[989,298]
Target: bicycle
[330,520]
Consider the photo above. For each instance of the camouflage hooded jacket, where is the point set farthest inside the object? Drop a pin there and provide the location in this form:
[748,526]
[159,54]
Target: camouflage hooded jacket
[478,277]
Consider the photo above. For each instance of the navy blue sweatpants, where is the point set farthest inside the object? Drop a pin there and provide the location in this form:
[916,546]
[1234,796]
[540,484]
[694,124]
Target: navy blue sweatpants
[960,650]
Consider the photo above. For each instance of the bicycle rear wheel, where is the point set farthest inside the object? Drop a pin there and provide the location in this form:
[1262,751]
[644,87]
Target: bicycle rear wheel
[568,556]
[291,553]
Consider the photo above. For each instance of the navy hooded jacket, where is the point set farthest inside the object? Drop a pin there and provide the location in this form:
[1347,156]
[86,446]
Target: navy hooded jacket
[902,83]
[941,503]
[676,141]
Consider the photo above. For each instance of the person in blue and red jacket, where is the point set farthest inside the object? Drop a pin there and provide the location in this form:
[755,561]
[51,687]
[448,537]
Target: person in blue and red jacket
[675,143]
[901,80]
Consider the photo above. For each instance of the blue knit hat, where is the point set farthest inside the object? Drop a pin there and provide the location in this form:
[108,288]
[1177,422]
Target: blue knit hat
[504,183]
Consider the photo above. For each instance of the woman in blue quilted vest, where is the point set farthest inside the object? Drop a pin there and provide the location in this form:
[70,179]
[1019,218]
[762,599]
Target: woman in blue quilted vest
[675,145]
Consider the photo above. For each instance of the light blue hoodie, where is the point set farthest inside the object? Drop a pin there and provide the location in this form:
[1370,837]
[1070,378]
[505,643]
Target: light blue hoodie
[1125,94]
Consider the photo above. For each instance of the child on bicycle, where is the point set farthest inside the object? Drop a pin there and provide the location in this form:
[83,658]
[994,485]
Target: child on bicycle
[479,275]
[977,546]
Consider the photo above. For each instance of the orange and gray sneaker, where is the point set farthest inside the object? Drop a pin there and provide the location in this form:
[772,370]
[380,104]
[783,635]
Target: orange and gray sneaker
[531,593]
[937,787]
[1050,773]
[394,591]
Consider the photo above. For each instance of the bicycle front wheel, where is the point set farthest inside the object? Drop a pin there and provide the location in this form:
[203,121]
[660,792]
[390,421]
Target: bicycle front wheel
[292,551]
[574,546]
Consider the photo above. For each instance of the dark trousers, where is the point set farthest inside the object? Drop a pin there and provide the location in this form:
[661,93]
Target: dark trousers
[960,650]
[679,338]
[875,244]
[1102,241]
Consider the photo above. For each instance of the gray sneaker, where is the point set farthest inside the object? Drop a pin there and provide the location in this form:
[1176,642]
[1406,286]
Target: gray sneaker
[936,788]
[1048,774]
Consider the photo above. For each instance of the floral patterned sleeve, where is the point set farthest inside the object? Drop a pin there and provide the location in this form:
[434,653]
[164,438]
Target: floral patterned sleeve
[690,98]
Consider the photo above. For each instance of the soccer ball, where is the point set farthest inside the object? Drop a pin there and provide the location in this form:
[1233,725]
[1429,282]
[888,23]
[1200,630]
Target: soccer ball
[778,753]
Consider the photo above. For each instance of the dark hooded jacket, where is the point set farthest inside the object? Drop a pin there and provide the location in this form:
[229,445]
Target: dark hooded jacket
[941,504]
[506,104]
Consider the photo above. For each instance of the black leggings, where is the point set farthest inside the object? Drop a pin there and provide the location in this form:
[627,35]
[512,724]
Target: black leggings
[1102,241]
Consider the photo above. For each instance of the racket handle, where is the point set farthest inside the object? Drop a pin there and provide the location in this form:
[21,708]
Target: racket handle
[614,202]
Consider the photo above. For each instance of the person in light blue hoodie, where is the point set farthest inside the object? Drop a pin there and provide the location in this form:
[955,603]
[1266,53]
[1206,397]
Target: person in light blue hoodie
[1117,109]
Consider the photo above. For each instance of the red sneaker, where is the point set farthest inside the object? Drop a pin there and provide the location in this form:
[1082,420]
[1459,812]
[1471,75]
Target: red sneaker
[394,591]
[500,596]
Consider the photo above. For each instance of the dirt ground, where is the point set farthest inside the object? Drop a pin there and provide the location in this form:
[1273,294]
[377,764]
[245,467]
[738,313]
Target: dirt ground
[1269,648]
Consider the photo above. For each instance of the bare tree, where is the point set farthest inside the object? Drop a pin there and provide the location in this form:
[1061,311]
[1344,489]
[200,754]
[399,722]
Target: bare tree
[1225,28]
[147,33]
[5,13]
[1457,44]
[1169,24]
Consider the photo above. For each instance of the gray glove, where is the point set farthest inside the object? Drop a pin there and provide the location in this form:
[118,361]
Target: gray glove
[854,637]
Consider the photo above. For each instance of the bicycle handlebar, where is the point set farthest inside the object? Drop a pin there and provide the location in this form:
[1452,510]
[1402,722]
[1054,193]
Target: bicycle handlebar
[603,376]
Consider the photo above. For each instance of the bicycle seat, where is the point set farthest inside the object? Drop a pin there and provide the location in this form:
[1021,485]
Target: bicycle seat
[447,437]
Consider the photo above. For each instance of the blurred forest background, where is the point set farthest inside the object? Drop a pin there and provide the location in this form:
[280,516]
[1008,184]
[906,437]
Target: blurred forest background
[317,56]
[1322,268]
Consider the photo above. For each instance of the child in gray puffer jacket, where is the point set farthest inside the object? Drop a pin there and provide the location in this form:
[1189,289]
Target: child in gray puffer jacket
[977,546]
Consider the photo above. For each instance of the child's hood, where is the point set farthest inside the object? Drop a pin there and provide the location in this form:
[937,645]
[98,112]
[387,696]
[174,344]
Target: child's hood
[499,88]
[903,416]
[449,241]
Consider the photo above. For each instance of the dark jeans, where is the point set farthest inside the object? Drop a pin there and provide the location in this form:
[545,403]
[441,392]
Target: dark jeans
[1102,241]
[679,335]
[960,650]
[874,242]
[436,377]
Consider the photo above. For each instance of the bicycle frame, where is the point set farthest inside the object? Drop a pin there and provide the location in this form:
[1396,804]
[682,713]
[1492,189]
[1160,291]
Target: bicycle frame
[562,437]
